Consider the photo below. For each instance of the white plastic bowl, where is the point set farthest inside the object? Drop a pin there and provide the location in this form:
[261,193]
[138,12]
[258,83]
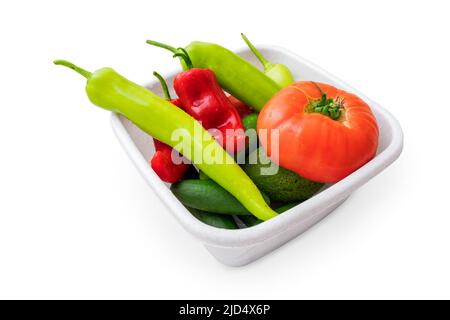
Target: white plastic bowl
[240,247]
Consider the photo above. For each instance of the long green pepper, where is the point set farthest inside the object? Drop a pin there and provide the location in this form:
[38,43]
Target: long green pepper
[234,74]
[159,118]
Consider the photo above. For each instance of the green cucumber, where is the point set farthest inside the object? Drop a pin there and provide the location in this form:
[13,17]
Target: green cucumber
[214,219]
[206,195]
[286,207]
[250,121]
[283,186]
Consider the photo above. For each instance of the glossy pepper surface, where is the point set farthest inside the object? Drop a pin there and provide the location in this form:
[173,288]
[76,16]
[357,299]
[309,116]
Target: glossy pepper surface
[159,118]
[204,99]
[324,133]
[235,75]
[162,162]
[276,71]
[241,107]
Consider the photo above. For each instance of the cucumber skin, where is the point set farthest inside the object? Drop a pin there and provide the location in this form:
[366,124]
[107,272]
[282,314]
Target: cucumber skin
[286,207]
[206,195]
[250,121]
[284,186]
[213,219]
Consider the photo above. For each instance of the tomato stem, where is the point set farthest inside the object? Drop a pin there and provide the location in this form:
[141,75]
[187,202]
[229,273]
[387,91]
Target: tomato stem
[326,106]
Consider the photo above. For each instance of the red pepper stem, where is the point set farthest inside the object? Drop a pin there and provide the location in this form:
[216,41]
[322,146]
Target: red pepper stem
[255,51]
[70,65]
[328,107]
[163,85]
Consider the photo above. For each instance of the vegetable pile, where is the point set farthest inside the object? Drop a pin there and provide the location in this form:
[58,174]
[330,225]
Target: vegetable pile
[310,133]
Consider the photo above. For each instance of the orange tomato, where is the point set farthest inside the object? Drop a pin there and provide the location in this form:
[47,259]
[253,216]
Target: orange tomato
[313,144]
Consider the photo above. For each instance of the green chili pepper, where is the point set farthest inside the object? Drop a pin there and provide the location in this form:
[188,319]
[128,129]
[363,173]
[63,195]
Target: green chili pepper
[236,75]
[251,221]
[159,118]
[276,71]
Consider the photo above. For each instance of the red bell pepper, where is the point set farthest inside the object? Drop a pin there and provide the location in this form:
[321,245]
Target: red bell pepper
[162,162]
[203,98]
[241,107]
[163,165]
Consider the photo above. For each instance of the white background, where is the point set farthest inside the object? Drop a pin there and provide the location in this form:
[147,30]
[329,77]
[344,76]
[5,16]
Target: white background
[77,220]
